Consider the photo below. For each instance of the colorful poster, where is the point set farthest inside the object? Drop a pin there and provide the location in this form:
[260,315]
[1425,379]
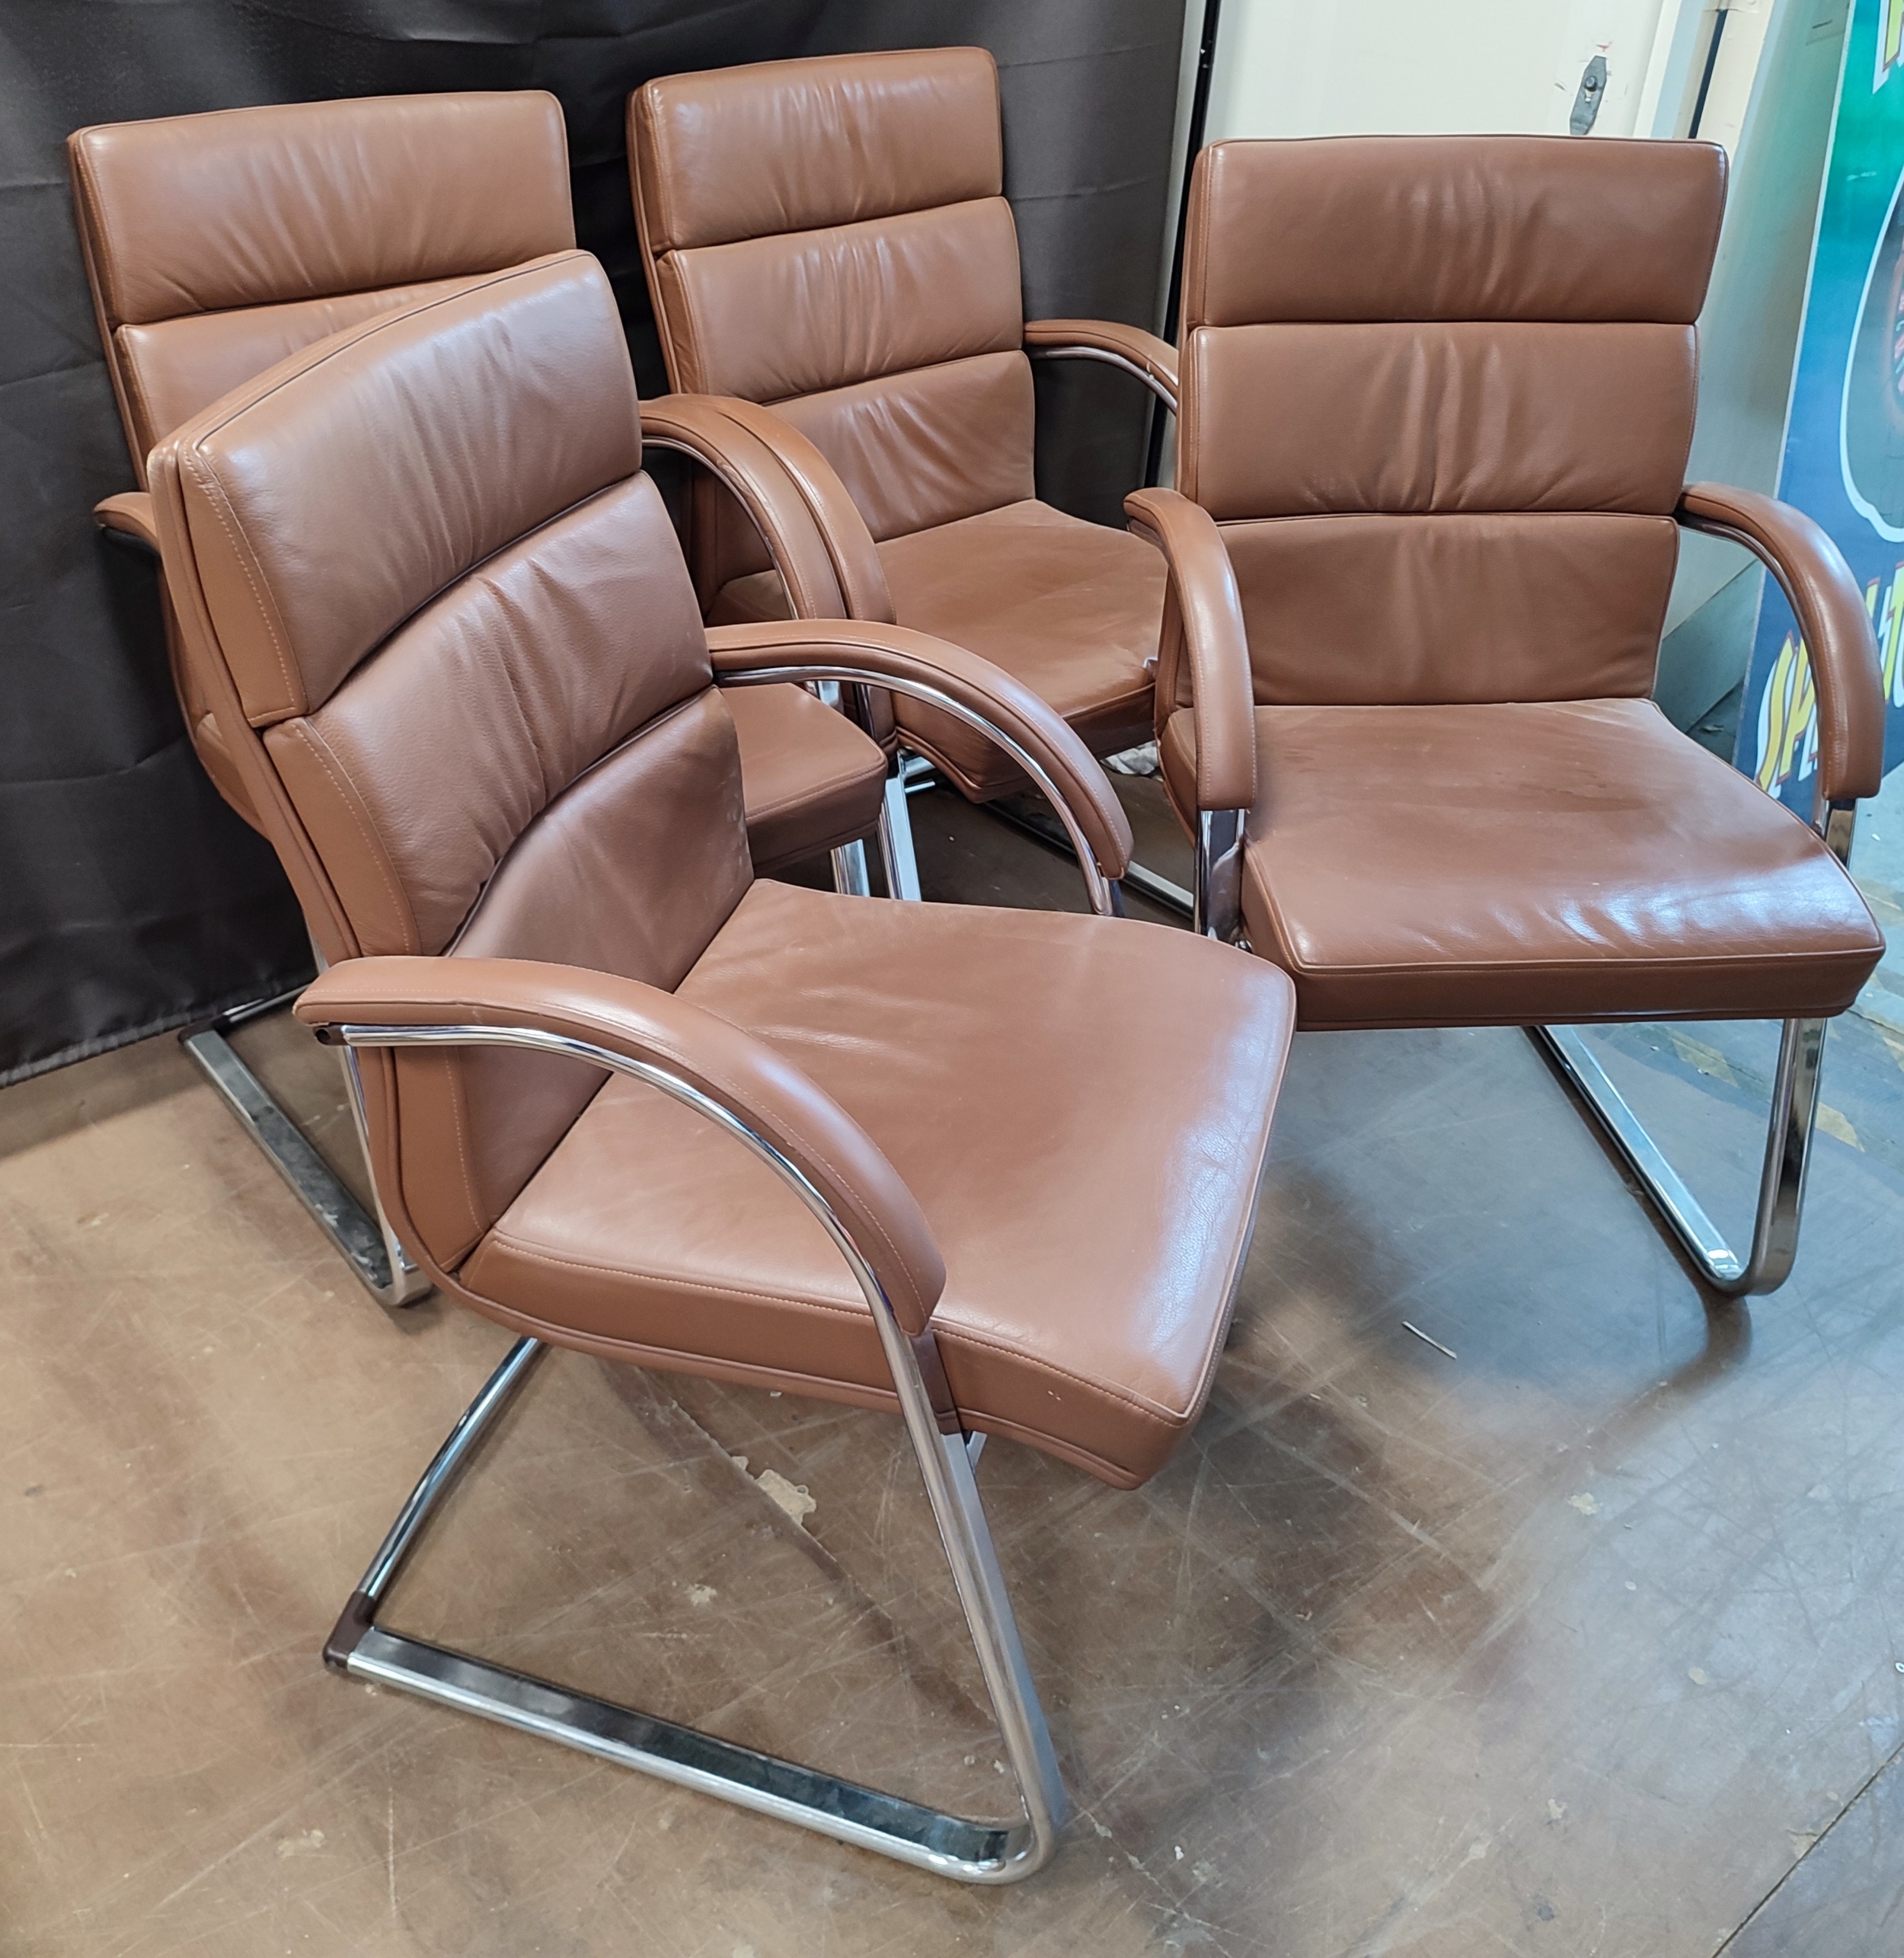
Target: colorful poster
[1844,459]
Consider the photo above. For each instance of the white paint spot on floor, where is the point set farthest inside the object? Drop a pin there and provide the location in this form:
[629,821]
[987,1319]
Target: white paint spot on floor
[308,1844]
[1556,1811]
[791,1496]
[701,1594]
[1697,1674]
[1584,1503]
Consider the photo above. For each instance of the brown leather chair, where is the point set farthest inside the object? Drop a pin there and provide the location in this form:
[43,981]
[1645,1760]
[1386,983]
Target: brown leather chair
[218,243]
[828,238]
[1430,492]
[453,655]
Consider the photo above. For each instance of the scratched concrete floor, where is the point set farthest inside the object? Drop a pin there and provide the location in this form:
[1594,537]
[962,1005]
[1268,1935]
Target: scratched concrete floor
[1589,1641]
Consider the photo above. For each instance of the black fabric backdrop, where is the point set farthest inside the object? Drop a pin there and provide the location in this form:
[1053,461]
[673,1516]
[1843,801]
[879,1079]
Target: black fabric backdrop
[131,898]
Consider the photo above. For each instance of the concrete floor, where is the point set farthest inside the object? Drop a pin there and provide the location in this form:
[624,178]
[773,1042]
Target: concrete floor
[1585,1636]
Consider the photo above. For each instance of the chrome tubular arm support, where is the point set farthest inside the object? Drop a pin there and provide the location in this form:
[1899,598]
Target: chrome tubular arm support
[1167,395]
[1217,908]
[927,1838]
[1102,891]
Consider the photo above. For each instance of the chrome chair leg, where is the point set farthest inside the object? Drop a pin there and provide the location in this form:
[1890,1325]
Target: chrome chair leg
[895,836]
[850,877]
[926,1838]
[950,1845]
[1781,1186]
[369,1246]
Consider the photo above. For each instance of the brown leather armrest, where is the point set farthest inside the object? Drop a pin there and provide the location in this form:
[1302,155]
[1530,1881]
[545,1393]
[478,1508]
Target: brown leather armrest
[897,657]
[697,425]
[1203,587]
[849,545]
[1152,360]
[129,514]
[641,1022]
[1837,629]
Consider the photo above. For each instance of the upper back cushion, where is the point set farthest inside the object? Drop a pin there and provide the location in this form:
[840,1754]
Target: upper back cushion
[468,405]
[302,200]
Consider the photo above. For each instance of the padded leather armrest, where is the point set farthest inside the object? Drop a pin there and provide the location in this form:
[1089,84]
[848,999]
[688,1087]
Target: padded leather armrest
[1837,629]
[1210,611]
[856,559]
[129,514]
[897,657]
[641,1023]
[1153,360]
[697,426]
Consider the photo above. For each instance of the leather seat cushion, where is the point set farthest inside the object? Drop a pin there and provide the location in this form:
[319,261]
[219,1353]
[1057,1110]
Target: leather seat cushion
[1510,864]
[812,781]
[1080,1106]
[1071,608]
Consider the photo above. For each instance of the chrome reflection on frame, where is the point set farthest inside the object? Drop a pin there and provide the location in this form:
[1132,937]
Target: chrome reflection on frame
[1218,909]
[369,1246]
[927,1838]
[1110,359]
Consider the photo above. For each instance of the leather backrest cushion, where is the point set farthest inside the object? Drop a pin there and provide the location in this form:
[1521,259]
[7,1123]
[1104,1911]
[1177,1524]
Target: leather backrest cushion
[1452,228]
[1435,610]
[1286,419]
[249,207]
[175,368]
[920,450]
[345,488]
[779,316]
[418,775]
[802,145]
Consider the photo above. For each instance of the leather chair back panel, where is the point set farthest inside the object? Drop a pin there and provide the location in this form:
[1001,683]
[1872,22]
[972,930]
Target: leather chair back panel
[325,570]
[801,145]
[195,214]
[508,689]
[1388,227]
[1440,609]
[803,311]
[920,449]
[502,739]
[172,369]
[1397,415]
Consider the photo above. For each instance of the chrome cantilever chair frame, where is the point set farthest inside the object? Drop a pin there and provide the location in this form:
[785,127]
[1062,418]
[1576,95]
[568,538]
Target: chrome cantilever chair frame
[928,1838]
[370,1247]
[1794,1095]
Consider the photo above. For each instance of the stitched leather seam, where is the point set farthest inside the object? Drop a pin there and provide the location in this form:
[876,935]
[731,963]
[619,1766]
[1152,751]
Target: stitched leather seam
[214,491]
[321,749]
[951,1331]
[518,1247]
